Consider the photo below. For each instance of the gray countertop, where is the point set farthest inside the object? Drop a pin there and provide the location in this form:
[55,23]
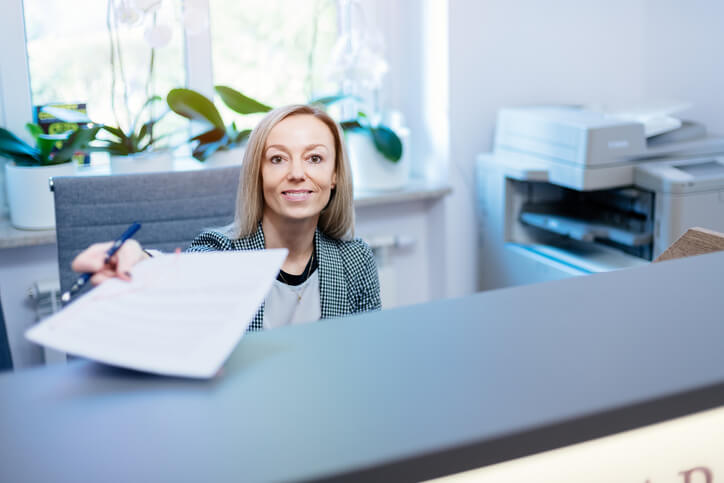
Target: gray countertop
[398,395]
[11,237]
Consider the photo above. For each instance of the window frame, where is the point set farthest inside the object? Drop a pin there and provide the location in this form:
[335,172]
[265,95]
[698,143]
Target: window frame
[15,99]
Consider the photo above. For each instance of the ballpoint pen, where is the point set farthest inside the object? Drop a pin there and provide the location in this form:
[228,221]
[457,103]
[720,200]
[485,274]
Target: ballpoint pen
[83,279]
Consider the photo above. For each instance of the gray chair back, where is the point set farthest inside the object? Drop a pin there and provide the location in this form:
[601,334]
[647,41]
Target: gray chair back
[172,207]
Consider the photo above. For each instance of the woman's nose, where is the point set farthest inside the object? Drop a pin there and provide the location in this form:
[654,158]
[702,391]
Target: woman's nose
[296,169]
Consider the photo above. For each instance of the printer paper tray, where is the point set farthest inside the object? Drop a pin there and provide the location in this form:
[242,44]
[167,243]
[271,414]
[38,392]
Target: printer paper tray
[585,230]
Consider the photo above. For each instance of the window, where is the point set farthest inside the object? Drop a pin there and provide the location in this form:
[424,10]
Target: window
[69,56]
[275,51]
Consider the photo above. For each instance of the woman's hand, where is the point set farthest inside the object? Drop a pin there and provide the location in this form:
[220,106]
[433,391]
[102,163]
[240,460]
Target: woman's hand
[91,260]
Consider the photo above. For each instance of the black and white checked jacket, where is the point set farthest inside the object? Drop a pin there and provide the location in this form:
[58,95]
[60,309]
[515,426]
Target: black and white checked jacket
[348,282]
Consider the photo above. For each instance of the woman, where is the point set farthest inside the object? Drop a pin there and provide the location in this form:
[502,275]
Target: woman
[295,192]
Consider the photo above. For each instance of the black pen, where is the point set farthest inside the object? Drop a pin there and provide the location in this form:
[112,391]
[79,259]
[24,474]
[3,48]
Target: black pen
[83,279]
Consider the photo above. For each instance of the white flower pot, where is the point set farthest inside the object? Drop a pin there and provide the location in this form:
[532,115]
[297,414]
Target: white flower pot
[3,190]
[370,169]
[227,157]
[147,162]
[29,196]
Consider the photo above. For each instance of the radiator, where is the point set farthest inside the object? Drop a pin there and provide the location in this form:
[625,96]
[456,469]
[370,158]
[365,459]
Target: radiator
[45,299]
[382,247]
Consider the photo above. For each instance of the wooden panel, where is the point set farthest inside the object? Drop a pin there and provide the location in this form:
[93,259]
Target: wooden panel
[696,241]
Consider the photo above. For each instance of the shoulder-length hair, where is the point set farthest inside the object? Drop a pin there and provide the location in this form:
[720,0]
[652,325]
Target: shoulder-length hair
[336,219]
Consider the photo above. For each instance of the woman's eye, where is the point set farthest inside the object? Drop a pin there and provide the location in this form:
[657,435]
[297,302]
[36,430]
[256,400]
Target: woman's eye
[275,159]
[315,158]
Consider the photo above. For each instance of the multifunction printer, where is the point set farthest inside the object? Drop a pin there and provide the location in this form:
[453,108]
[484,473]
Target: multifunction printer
[570,190]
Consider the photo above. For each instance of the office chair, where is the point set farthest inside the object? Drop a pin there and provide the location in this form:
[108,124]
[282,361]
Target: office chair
[173,207]
[6,361]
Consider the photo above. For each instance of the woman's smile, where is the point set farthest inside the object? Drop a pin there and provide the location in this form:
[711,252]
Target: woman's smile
[297,195]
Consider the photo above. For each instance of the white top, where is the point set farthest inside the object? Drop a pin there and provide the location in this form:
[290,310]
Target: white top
[293,304]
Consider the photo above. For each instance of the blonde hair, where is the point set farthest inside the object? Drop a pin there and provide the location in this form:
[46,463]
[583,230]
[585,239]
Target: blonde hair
[336,219]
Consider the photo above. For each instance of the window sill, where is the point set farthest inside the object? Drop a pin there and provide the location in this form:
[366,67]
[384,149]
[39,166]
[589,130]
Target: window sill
[416,190]
[11,237]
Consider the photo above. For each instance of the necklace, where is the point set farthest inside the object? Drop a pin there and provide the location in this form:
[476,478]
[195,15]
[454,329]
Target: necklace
[304,276]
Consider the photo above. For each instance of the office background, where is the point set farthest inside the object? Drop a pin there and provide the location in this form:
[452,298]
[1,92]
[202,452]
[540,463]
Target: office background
[453,64]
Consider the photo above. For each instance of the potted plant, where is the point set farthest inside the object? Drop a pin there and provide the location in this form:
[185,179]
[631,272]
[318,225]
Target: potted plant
[26,175]
[375,150]
[219,143]
[376,154]
[135,150]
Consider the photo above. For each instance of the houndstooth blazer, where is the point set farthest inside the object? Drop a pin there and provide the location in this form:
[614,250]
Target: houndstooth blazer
[348,281]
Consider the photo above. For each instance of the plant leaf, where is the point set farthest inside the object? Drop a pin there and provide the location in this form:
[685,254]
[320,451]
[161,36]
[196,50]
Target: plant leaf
[9,146]
[210,136]
[116,132]
[116,149]
[14,147]
[5,134]
[78,141]
[192,105]
[45,145]
[139,149]
[243,135]
[351,124]
[19,152]
[144,131]
[148,102]
[387,142]
[23,160]
[147,127]
[203,151]
[238,102]
[328,100]
[34,130]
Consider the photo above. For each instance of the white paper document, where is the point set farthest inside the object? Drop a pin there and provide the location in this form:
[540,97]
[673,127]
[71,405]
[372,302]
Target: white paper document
[181,314]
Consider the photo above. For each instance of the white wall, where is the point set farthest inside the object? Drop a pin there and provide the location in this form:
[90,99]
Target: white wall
[683,56]
[15,105]
[564,51]
[416,48]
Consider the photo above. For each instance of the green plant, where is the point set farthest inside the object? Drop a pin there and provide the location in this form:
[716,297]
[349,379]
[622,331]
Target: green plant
[137,139]
[42,154]
[218,135]
[386,141]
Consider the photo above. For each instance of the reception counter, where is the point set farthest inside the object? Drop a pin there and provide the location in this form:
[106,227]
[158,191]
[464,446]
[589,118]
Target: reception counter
[399,395]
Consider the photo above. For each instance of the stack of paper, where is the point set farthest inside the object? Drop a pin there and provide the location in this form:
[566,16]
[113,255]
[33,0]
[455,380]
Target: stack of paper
[657,117]
[181,314]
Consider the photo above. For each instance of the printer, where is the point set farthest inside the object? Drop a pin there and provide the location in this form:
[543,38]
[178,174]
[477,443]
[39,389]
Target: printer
[570,190]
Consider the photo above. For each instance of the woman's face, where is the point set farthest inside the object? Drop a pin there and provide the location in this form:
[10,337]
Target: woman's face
[298,168]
